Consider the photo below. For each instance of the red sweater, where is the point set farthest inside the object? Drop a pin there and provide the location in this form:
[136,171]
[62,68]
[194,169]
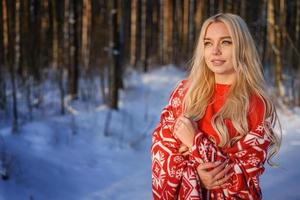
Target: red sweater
[175,177]
[255,115]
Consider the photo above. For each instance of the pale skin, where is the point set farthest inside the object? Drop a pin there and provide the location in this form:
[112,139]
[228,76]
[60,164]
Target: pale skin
[218,53]
[218,58]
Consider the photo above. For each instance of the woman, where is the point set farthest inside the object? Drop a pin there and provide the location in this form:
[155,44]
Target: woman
[216,132]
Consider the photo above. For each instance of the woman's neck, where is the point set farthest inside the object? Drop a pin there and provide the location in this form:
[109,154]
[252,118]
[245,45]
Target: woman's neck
[225,79]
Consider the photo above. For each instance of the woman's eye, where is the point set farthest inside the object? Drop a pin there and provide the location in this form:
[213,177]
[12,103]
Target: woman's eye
[225,42]
[207,44]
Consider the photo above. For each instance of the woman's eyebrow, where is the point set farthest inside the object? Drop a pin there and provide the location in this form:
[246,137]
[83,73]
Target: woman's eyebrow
[224,37]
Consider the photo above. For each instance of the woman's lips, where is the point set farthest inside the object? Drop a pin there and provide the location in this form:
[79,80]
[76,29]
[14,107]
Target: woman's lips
[217,62]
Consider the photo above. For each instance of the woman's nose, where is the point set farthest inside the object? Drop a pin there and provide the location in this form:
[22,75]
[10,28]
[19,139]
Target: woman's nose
[216,50]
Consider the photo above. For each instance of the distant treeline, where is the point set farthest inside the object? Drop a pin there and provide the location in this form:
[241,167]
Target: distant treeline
[87,39]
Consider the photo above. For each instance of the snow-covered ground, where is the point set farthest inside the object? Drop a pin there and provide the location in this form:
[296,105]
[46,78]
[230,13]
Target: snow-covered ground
[70,158]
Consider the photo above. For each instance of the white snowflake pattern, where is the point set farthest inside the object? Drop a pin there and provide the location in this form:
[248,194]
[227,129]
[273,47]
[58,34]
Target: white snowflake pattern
[254,161]
[260,128]
[176,102]
[178,159]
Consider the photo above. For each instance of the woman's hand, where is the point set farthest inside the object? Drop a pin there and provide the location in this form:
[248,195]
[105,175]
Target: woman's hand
[185,130]
[213,175]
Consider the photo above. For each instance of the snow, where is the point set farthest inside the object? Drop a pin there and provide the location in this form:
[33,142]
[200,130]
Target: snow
[69,157]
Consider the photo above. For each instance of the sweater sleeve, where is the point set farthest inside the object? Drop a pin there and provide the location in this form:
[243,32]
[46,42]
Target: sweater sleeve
[247,156]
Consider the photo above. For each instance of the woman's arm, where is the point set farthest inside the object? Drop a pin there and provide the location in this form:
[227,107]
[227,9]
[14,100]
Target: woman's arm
[247,157]
[167,163]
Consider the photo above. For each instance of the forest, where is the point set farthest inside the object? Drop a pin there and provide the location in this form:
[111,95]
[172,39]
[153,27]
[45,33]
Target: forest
[80,50]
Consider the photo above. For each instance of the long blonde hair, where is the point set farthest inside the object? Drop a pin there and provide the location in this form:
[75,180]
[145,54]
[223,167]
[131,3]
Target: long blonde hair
[249,80]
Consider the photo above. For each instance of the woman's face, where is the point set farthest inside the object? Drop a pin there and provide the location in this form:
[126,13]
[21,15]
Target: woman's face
[218,48]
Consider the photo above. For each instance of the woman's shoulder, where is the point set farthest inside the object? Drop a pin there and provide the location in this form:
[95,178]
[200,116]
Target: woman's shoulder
[180,88]
[182,83]
[257,103]
[176,97]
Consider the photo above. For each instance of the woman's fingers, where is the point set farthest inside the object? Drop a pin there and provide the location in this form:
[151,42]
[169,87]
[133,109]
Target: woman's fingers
[218,184]
[223,172]
[186,153]
[223,180]
[184,133]
[208,165]
[188,123]
[218,169]
[213,174]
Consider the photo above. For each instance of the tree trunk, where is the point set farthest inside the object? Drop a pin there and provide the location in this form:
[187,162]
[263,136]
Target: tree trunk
[138,33]
[155,30]
[279,44]
[264,41]
[3,50]
[66,49]
[243,7]
[5,47]
[121,18]
[297,39]
[73,69]
[125,52]
[143,33]
[55,50]
[229,6]
[191,41]
[211,7]
[270,28]
[220,5]
[133,32]
[167,31]
[24,71]
[17,35]
[59,28]
[10,8]
[199,16]
[45,46]
[35,39]
[185,28]
[148,33]
[175,34]
[161,31]
[113,80]
[86,27]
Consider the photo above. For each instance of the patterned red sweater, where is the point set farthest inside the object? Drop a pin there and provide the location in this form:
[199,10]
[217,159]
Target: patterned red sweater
[174,176]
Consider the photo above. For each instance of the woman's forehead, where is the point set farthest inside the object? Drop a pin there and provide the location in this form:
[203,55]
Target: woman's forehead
[217,30]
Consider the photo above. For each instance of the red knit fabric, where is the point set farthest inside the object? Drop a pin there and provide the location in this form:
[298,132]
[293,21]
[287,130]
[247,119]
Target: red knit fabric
[175,177]
[255,114]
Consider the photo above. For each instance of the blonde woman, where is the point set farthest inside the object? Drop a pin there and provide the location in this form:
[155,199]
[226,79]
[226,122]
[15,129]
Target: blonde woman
[217,129]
